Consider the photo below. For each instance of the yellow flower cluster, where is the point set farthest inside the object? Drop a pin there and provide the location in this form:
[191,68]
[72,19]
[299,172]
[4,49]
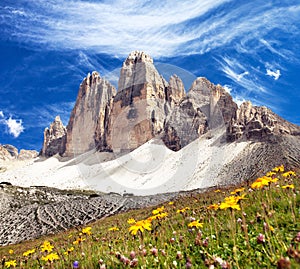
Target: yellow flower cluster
[289,174]
[183,210]
[261,182]
[140,226]
[158,210]
[46,247]
[50,257]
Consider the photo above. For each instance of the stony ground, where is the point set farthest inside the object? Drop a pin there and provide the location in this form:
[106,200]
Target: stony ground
[28,213]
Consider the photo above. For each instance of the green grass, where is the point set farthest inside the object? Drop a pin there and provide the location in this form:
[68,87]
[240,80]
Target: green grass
[264,233]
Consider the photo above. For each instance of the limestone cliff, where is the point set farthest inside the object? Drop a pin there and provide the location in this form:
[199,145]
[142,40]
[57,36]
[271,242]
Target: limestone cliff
[142,104]
[207,106]
[258,123]
[147,106]
[54,138]
[88,119]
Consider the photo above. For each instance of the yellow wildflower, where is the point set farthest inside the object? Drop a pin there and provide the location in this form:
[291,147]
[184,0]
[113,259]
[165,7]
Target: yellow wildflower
[10,263]
[87,230]
[213,207]
[158,210]
[140,226]
[217,190]
[260,183]
[78,241]
[230,202]
[237,190]
[288,174]
[46,247]
[11,251]
[271,228]
[273,180]
[69,250]
[28,252]
[131,221]
[278,169]
[270,174]
[241,197]
[160,216]
[171,203]
[195,224]
[291,186]
[113,229]
[183,210]
[51,257]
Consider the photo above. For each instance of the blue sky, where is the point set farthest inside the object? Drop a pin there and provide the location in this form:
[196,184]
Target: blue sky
[48,47]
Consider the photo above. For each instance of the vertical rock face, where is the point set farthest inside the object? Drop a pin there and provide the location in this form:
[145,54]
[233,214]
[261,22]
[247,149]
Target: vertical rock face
[213,101]
[87,123]
[54,138]
[140,106]
[253,122]
[147,106]
[206,106]
[175,91]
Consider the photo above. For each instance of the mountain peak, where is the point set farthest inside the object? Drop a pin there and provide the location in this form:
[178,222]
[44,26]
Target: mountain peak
[137,57]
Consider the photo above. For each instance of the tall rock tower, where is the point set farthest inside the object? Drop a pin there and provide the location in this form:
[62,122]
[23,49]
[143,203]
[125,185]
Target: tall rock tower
[54,138]
[89,115]
[141,105]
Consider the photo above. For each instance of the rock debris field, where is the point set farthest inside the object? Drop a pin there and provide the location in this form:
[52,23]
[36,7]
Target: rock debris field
[28,213]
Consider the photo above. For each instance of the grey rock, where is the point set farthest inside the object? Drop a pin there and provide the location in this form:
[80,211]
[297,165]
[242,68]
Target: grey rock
[54,138]
[88,120]
[258,123]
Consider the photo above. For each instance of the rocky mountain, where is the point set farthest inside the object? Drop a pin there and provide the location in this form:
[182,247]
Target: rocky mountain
[88,120]
[9,152]
[149,137]
[147,106]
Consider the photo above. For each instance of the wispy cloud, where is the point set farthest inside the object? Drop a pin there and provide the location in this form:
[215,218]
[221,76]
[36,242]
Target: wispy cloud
[162,28]
[1,114]
[275,74]
[45,114]
[239,73]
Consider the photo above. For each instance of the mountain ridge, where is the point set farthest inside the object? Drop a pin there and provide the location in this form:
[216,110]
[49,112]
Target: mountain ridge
[147,106]
[152,137]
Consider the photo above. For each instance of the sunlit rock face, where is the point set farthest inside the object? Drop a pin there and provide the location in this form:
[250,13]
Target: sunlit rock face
[143,103]
[89,116]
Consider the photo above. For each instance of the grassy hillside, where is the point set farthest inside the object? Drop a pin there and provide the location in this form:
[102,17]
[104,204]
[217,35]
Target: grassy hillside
[255,226]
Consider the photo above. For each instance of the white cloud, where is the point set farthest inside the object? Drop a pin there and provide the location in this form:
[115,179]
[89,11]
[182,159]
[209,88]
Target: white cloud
[238,100]
[276,74]
[237,72]
[15,127]
[227,88]
[1,114]
[161,28]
